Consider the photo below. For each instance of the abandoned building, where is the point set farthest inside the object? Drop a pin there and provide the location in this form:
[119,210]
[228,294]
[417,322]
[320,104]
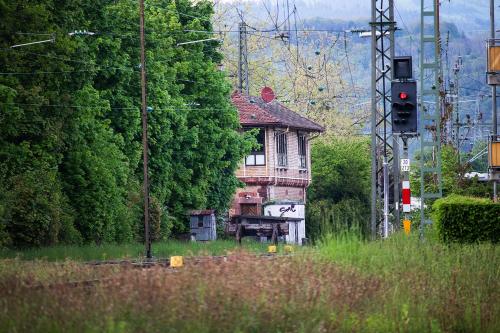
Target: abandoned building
[277,174]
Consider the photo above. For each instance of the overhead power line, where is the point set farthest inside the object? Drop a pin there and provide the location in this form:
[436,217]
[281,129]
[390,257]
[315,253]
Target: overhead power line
[111,108]
[128,34]
[54,72]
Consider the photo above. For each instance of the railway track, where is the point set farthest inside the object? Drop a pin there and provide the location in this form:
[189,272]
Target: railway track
[140,264]
[165,262]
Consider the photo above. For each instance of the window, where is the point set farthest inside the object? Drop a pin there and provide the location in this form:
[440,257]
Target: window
[302,150]
[281,149]
[258,155]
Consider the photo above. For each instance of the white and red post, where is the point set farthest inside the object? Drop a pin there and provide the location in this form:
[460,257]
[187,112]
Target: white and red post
[406,196]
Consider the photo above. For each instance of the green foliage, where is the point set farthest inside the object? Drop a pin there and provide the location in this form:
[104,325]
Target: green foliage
[70,125]
[453,178]
[194,145]
[466,219]
[96,169]
[324,218]
[338,197]
[38,213]
[32,142]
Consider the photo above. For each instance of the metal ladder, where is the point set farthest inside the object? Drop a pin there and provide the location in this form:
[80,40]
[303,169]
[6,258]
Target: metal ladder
[430,112]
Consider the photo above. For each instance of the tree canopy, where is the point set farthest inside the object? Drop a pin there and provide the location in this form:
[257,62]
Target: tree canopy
[70,129]
[339,195]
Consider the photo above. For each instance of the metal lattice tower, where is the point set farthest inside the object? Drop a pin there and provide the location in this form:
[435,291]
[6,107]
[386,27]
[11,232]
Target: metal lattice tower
[243,86]
[430,107]
[384,145]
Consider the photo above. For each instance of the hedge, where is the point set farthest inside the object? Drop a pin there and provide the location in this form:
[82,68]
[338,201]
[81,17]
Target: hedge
[467,219]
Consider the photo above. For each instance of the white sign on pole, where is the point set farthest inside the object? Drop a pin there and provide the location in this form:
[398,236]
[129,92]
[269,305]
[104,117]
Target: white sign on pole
[405,164]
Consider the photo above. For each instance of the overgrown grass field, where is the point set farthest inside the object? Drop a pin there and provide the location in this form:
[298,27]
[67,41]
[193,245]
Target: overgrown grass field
[130,251]
[343,284]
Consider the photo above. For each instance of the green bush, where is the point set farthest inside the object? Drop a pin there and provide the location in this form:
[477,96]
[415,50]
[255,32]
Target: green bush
[467,219]
[339,197]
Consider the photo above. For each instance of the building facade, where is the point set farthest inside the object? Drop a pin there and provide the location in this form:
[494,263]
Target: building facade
[277,174]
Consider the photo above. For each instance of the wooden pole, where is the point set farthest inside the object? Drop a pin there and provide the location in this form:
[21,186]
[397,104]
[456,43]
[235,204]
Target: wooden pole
[147,236]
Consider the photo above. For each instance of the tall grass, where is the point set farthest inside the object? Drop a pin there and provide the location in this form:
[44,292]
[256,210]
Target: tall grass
[452,288]
[242,294]
[344,284]
[324,218]
[130,251]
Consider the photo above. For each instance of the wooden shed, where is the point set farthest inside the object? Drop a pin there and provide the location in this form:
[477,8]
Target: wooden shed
[203,225]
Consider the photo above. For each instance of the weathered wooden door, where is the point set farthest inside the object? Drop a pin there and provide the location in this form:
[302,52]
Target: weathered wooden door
[249,209]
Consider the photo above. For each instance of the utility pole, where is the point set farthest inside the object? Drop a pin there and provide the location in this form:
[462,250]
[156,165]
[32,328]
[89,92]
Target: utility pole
[243,86]
[456,70]
[384,154]
[493,87]
[493,92]
[430,110]
[145,151]
[447,136]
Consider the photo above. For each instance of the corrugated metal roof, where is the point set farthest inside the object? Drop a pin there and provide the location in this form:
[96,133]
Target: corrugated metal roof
[202,212]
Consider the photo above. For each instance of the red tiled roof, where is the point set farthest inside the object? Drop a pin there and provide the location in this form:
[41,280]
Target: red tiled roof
[254,111]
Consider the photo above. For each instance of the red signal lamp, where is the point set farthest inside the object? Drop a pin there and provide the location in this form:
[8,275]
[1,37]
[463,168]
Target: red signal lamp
[403,95]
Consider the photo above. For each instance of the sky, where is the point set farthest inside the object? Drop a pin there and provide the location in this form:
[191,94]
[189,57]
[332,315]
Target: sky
[468,14]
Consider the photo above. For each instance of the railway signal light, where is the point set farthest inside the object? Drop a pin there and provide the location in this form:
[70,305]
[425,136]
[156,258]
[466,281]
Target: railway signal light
[404,107]
[402,68]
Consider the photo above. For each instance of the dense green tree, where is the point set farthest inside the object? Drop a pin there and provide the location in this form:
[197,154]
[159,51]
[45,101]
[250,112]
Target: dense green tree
[70,118]
[341,169]
[194,145]
[94,172]
[31,138]
[338,197]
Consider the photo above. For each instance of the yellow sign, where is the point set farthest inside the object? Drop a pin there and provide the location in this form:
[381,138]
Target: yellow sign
[407,226]
[288,248]
[176,261]
[271,249]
